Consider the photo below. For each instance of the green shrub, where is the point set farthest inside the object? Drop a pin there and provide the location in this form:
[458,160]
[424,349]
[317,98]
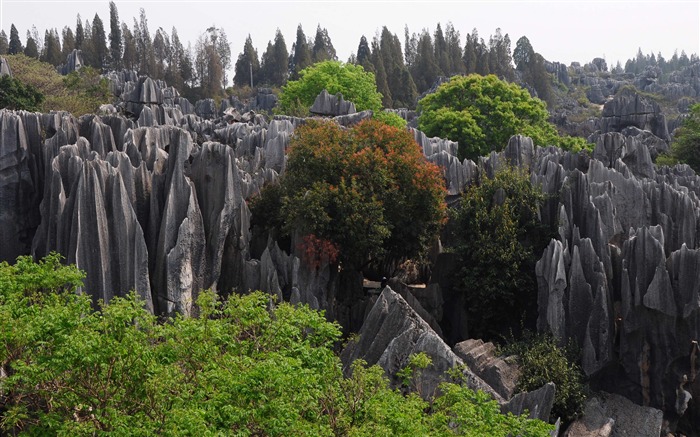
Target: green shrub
[542,361]
[246,366]
[390,118]
[16,95]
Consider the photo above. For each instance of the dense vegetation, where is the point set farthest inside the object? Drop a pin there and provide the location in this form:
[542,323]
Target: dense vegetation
[349,192]
[497,235]
[352,81]
[81,92]
[483,112]
[685,147]
[241,367]
[19,96]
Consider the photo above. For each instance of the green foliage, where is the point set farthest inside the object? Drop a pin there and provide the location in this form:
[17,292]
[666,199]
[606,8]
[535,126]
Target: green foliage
[390,118]
[242,367]
[497,235]
[482,113]
[685,147]
[16,95]
[542,361]
[410,375]
[352,81]
[79,93]
[354,187]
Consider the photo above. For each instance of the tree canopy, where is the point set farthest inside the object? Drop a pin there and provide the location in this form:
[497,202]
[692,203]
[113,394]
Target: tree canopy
[685,147]
[352,81]
[363,194]
[483,112]
[247,366]
[16,95]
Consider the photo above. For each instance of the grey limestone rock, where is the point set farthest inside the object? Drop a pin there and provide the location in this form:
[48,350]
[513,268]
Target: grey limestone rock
[5,67]
[628,108]
[74,61]
[326,104]
[392,332]
[538,403]
[481,358]
[610,415]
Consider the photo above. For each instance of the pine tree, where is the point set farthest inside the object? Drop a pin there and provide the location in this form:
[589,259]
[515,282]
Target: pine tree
[273,63]
[364,55]
[15,46]
[130,59]
[99,43]
[51,52]
[79,33]
[161,51]
[246,64]
[380,75]
[4,44]
[31,48]
[425,69]
[454,50]
[470,56]
[440,52]
[67,42]
[300,57]
[410,48]
[115,38]
[523,53]
[323,49]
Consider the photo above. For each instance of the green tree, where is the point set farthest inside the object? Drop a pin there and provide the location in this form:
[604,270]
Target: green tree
[15,45]
[482,113]
[352,81]
[364,54]
[685,147]
[523,53]
[67,42]
[381,76]
[351,189]
[16,95]
[115,38]
[497,234]
[52,49]
[273,67]
[247,64]
[247,366]
[79,33]
[323,49]
[300,58]
[31,48]
[4,44]
[99,42]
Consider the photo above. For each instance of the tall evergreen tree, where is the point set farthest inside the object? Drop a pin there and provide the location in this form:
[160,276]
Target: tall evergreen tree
[276,68]
[425,68]
[31,48]
[79,33]
[246,65]
[380,75]
[67,42]
[130,59]
[364,55]
[99,43]
[323,49]
[4,44]
[392,57]
[410,48]
[15,46]
[454,50]
[441,56]
[161,51]
[115,38]
[470,56]
[300,57]
[51,52]
[88,50]
[144,44]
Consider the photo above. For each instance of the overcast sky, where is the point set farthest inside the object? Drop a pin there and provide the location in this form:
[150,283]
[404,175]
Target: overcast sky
[563,31]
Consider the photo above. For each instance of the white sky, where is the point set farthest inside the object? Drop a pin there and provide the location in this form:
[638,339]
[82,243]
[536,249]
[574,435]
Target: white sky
[563,31]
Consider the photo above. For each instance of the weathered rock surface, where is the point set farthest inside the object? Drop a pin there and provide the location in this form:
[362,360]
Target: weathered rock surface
[481,358]
[392,332]
[609,415]
[74,62]
[628,108]
[5,67]
[326,104]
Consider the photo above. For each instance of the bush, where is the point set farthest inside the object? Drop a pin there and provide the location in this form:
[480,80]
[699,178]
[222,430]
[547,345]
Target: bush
[16,95]
[79,93]
[390,118]
[243,367]
[542,361]
[685,147]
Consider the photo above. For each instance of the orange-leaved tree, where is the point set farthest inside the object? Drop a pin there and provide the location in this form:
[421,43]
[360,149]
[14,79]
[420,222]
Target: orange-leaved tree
[368,191]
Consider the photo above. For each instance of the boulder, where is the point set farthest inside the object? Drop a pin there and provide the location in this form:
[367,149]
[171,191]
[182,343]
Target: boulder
[610,415]
[628,108]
